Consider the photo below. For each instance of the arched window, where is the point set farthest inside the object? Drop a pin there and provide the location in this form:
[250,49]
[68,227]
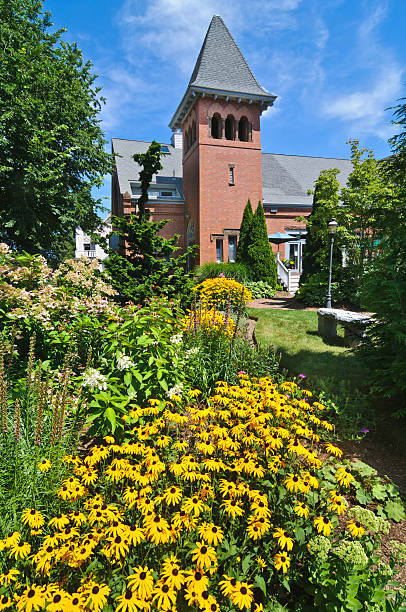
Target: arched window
[194,131]
[186,143]
[229,128]
[189,137]
[243,129]
[216,126]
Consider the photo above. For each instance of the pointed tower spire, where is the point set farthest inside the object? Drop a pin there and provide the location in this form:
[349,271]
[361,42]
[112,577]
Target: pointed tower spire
[221,70]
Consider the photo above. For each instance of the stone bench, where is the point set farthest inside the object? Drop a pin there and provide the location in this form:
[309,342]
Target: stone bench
[355,324]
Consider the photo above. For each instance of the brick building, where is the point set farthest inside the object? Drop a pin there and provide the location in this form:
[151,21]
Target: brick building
[214,162]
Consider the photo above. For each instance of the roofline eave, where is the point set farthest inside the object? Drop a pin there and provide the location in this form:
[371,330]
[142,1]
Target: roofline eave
[266,100]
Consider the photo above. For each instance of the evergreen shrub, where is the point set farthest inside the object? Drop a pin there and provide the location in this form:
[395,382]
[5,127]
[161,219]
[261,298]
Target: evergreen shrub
[261,259]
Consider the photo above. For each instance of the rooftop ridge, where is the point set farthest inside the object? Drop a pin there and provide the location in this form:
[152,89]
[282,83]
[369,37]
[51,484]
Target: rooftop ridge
[310,156]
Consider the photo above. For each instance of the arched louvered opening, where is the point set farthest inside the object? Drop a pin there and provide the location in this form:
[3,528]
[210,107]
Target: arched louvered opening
[229,128]
[243,129]
[194,135]
[216,126]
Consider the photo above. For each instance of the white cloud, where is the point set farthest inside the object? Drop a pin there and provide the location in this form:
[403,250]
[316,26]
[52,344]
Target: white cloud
[365,109]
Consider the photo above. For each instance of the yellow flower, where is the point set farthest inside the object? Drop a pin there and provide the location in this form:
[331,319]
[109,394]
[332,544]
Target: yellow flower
[333,450]
[33,518]
[44,465]
[355,528]
[242,595]
[282,562]
[284,540]
[323,525]
[343,477]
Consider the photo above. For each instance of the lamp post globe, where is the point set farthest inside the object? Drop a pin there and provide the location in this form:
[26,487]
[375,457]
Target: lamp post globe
[332,228]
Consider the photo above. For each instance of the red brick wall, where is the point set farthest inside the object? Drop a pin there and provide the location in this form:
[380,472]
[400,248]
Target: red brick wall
[283,221]
[213,204]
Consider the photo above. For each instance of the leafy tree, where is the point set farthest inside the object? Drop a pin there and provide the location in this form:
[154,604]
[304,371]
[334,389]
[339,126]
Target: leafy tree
[245,233]
[51,144]
[384,286]
[325,205]
[359,209]
[145,264]
[261,259]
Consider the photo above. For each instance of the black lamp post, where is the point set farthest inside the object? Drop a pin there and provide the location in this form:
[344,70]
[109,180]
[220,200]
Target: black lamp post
[332,228]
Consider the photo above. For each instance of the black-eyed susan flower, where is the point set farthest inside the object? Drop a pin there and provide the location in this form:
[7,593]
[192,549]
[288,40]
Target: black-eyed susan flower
[343,477]
[172,495]
[163,596]
[282,562]
[8,576]
[323,525]
[204,555]
[232,508]
[333,450]
[6,602]
[32,518]
[32,598]
[301,509]
[242,596]
[261,562]
[196,581]
[293,483]
[284,540]
[193,505]
[128,602]
[142,582]
[44,465]
[210,533]
[227,585]
[20,550]
[355,528]
[97,596]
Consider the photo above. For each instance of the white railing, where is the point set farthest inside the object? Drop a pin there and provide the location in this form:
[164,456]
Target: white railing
[90,254]
[288,278]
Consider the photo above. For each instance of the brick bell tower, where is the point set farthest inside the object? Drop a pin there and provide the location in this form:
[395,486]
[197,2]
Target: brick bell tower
[219,117]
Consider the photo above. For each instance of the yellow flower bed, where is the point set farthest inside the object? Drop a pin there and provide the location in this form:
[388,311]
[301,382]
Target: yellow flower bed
[213,509]
[218,292]
[208,319]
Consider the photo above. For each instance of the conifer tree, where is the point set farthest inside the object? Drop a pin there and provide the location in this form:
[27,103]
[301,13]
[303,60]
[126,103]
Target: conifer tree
[245,233]
[261,258]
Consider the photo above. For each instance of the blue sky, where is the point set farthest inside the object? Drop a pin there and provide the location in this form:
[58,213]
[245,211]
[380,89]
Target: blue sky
[335,65]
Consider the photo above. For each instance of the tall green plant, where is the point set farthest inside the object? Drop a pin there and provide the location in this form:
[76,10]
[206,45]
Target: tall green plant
[146,264]
[261,259]
[245,233]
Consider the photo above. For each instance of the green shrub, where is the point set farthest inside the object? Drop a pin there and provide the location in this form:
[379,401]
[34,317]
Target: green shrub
[261,259]
[238,271]
[260,289]
[343,290]
[245,234]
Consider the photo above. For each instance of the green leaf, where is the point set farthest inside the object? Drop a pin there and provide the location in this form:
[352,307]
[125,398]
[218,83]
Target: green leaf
[260,582]
[300,535]
[395,511]
[363,469]
[110,415]
[379,491]
[363,497]
[246,563]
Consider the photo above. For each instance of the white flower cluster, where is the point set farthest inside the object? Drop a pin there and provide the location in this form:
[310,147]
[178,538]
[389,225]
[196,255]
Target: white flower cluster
[94,380]
[177,338]
[124,362]
[176,390]
[192,351]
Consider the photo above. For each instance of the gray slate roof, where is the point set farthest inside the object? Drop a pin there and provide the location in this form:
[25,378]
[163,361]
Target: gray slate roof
[128,171]
[285,178]
[222,66]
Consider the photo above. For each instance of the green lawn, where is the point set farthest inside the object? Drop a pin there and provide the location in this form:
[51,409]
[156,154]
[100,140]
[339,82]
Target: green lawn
[329,365]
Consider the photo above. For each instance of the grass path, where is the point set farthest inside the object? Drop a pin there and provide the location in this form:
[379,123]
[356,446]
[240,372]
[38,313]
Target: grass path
[329,365]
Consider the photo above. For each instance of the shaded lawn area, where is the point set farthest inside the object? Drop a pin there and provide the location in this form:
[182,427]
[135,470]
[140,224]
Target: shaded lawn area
[328,364]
